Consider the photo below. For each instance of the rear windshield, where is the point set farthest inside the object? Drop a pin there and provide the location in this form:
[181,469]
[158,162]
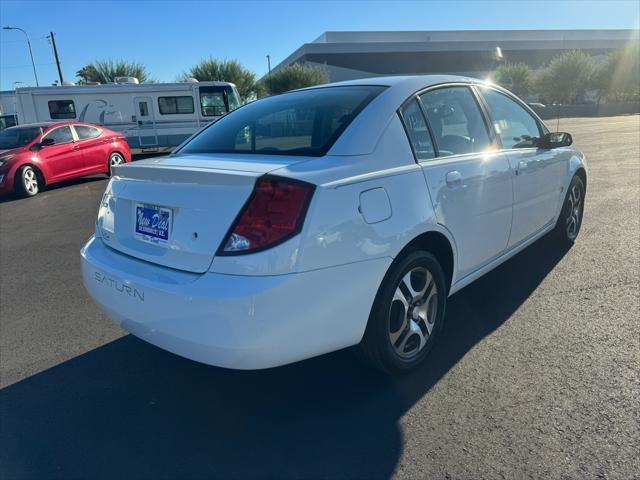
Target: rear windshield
[305,123]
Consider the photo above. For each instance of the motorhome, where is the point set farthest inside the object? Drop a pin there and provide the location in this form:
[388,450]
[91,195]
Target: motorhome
[154,117]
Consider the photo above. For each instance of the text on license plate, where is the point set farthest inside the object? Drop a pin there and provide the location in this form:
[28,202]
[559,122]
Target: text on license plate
[153,224]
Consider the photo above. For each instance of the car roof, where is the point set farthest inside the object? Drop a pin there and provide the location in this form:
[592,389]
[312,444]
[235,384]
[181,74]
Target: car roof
[33,125]
[45,125]
[393,80]
[409,83]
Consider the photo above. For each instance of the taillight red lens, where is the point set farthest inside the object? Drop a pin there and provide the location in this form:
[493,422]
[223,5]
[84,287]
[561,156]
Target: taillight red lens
[274,213]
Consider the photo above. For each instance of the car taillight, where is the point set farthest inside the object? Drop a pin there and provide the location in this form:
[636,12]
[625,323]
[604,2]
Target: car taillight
[274,213]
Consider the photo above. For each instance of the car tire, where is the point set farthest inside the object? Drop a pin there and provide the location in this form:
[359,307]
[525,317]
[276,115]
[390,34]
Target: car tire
[28,182]
[115,159]
[570,219]
[407,314]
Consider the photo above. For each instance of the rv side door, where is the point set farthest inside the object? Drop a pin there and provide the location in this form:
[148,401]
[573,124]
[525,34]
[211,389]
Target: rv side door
[144,116]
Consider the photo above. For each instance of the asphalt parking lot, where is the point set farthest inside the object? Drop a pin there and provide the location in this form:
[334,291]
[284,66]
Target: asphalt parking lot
[537,374]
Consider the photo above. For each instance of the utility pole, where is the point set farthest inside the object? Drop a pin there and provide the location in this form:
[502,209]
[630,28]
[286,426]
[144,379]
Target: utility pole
[52,37]
[35,74]
[269,65]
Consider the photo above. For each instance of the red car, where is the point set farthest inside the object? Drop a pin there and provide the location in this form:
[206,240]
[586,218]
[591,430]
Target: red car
[39,154]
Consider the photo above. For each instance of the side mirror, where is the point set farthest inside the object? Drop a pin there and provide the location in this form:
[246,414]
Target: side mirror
[555,140]
[46,142]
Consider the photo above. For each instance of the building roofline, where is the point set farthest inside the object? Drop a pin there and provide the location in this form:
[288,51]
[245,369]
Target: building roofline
[375,41]
[333,36]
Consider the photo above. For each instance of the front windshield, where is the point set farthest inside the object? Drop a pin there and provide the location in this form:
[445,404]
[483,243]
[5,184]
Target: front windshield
[305,122]
[17,137]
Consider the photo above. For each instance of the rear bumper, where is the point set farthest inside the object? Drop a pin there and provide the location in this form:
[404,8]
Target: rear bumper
[232,321]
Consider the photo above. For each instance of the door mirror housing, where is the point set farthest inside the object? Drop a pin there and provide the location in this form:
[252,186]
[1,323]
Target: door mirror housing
[555,140]
[46,142]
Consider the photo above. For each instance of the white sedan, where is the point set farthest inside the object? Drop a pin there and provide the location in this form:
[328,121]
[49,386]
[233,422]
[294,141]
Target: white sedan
[333,216]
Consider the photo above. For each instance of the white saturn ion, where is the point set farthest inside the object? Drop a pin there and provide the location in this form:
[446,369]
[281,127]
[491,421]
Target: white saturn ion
[331,216]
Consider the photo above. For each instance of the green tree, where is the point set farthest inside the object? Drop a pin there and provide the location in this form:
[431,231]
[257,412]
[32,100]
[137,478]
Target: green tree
[293,77]
[516,77]
[618,76]
[232,71]
[567,77]
[104,71]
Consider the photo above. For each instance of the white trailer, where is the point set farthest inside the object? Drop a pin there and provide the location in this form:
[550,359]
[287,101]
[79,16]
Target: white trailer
[154,117]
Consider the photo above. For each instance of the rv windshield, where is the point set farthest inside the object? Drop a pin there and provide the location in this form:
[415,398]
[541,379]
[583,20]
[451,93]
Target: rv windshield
[305,122]
[16,137]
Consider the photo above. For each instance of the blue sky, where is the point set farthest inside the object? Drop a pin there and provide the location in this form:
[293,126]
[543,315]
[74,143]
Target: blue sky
[170,36]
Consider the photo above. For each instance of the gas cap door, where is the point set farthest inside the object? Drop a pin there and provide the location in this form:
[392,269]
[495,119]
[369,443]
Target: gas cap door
[374,205]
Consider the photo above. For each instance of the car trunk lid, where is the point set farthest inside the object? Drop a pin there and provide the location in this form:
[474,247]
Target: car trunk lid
[194,201]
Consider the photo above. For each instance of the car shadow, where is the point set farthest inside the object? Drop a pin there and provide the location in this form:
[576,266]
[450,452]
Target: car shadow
[130,410]
[12,197]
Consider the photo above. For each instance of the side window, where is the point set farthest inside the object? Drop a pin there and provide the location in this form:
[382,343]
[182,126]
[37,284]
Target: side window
[60,135]
[232,95]
[457,124]
[60,109]
[513,124]
[175,105]
[212,102]
[143,107]
[7,121]
[417,131]
[84,132]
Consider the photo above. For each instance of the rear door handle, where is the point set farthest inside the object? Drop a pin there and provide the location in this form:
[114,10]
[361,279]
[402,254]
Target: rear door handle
[75,148]
[453,178]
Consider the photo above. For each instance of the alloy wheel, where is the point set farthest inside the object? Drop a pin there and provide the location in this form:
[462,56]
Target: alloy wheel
[30,180]
[574,207]
[115,159]
[413,312]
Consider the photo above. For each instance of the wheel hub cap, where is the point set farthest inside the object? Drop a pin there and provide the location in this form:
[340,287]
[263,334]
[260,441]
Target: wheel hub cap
[413,312]
[30,181]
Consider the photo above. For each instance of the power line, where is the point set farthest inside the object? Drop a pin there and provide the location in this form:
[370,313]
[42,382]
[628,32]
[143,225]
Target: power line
[26,65]
[21,41]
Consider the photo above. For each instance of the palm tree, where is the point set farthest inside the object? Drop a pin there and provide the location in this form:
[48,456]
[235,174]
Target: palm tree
[293,77]
[232,71]
[515,77]
[105,71]
[567,77]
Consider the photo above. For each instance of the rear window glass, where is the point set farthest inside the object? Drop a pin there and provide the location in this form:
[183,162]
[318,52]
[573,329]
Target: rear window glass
[456,121]
[306,122]
[84,132]
[417,131]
